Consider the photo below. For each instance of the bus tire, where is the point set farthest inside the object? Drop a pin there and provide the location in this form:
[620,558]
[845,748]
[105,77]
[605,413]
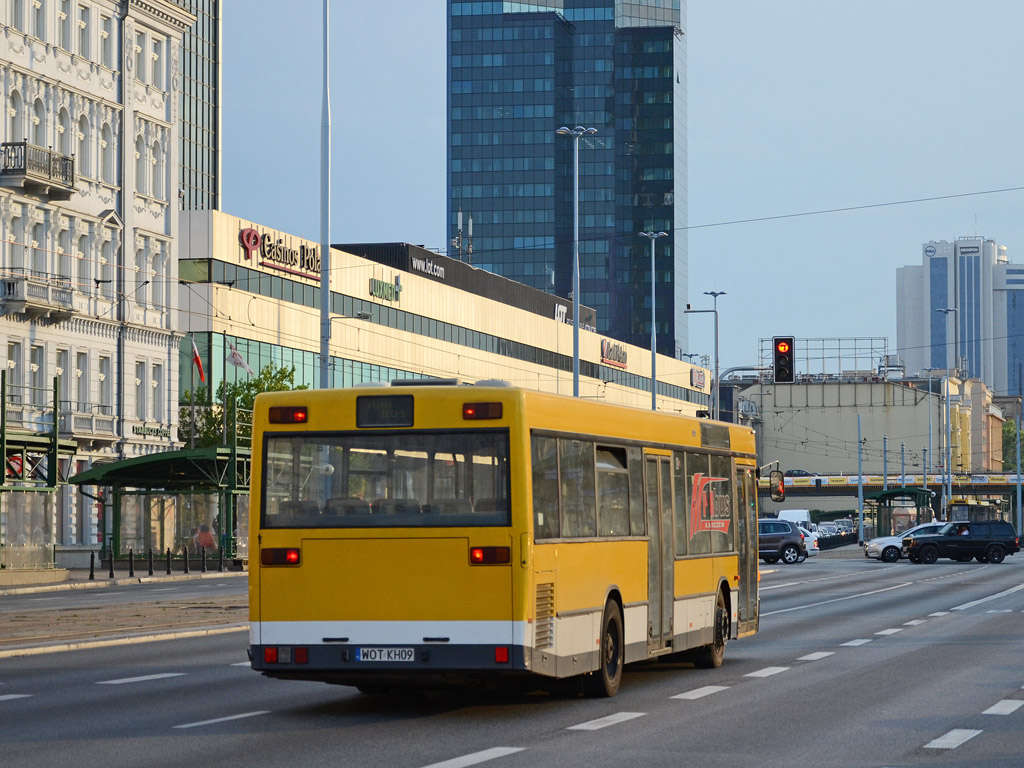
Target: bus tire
[711,656]
[605,681]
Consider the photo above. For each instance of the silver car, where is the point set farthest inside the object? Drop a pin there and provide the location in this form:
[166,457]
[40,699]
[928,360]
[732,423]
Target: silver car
[889,548]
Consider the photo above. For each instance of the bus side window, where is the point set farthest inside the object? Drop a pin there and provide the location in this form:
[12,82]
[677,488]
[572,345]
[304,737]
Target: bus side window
[543,453]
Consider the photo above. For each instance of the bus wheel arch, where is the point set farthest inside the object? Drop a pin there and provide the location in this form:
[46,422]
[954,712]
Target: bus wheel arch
[604,682]
[712,655]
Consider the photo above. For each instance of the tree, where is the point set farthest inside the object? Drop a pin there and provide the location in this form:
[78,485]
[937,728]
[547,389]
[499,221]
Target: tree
[1010,437]
[207,420]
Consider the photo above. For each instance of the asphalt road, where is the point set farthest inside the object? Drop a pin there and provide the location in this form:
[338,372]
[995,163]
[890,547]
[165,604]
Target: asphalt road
[857,663]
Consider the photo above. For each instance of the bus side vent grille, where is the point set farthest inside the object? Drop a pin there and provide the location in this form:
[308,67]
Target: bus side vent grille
[544,626]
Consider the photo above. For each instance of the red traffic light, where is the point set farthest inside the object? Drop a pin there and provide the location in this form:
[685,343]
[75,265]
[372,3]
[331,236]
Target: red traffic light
[782,346]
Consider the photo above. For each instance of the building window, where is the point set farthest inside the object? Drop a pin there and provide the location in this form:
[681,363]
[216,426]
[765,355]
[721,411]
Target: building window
[84,272]
[39,18]
[107,42]
[140,391]
[106,387]
[140,166]
[18,15]
[39,124]
[64,133]
[38,253]
[82,161]
[107,269]
[158,64]
[37,374]
[16,114]
[106,154]
[17,245]
[156,280]
[82,374]
[64,25]
[140,56]
[64,251]
[14,368]
[140,277]
[83,31]
[158,172]
[158,393]
[63,380]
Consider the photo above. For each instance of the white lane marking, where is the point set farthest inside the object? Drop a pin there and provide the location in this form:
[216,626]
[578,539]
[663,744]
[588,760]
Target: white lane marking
[604,722]
[13,696]
[1004,707]
[939,613]
[242,664]
[855,643]
[914,623]
[840,599]
[953,739]
[37,599]
[890,631]
[994,610]
[142,679]
[766,672]
[817,656]
[996,596]
[166,589]
[224,719]
[476,758]
[700,693]
[845,577]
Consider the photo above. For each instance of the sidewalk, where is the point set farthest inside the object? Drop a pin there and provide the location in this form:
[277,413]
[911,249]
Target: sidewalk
[24,582]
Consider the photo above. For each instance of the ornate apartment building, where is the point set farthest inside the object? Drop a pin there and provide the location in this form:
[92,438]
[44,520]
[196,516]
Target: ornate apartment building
[89,143]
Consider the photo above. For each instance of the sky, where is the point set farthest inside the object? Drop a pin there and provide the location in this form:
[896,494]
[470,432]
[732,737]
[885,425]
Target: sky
[795,106]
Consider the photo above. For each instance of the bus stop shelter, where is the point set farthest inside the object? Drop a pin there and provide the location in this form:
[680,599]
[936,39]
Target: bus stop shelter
[900,508]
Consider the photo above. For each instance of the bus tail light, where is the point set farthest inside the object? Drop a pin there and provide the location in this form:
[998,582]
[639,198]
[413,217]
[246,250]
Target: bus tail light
[280,556]
[490,555]
[270,654]
[293,414]
[501,654]
[285,654]
[474,411]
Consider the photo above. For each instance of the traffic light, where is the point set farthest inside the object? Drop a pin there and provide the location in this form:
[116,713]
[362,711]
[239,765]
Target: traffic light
[783,360]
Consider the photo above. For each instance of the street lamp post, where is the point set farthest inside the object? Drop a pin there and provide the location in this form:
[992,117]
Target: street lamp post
[718,392]
[654,327]
[576,132]
[927,465]
[949,454]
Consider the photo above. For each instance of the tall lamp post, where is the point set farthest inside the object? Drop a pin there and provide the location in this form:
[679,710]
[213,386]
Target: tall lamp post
[654,327]
[718,392]
[576,132]
[949,454]
[927,463]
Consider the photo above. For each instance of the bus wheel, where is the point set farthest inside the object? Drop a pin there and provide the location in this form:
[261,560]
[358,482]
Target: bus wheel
[711,656]
[606,680]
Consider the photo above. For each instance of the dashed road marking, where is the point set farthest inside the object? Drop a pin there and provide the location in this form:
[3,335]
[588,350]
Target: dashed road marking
[1004,707]
[142,679]
[224,719]
[953,739]
[604,722]
[13,696]
[817,656]
[767,672]
[699,693]
[939,613]
[996,596]
[890,631]
[1007,610]
[855,643]
[476,758]
[840,599]
[914,622]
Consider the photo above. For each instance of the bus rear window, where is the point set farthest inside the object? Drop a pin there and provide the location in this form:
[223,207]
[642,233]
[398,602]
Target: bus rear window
[389,480]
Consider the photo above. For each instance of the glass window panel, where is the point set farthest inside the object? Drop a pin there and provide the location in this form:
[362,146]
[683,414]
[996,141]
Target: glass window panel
[577,488]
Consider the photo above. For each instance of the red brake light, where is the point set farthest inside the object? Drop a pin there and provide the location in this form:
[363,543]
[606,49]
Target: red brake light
[270,654]
[302,655]
[501,654]
[490,555]
[472,411]
[293,414]
[280,556]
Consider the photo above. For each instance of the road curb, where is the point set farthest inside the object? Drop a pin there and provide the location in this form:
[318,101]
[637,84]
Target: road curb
[36,650]
[102,583]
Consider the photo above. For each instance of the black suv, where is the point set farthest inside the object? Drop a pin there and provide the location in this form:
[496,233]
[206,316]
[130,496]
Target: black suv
[989,542]
[780,540]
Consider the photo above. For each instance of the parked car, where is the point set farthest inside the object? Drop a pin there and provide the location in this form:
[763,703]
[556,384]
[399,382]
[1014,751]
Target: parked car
[989,541]
[828,529]
[810,541]
[889,549]
[780,540]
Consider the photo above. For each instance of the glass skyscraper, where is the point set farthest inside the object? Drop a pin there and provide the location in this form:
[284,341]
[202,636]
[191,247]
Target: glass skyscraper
[200,107]
[517,71]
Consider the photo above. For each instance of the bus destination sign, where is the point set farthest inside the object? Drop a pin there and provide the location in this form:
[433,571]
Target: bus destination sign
[384,411]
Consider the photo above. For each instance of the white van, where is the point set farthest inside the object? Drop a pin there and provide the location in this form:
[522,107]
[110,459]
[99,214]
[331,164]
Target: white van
[801,517]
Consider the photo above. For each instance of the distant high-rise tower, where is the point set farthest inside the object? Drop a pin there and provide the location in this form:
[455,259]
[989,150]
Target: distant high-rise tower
[516,73]
[201,106]
[983,335]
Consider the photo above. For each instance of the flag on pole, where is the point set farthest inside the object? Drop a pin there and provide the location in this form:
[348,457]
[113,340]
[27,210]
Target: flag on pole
[198,362]
[236,359]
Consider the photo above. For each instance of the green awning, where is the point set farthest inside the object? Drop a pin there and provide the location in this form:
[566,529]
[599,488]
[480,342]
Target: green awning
[190,469]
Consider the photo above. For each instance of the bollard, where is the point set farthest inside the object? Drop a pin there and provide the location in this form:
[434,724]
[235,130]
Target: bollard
[168,561]
[186,559]
[150,561]
[202,552]
[92,566]
[131,562]
[111,562]
[220,559]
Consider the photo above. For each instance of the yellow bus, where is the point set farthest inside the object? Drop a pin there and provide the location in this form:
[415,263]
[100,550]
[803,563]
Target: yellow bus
[435,534]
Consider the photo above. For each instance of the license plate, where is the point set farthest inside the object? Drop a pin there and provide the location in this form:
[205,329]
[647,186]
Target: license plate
[385,654]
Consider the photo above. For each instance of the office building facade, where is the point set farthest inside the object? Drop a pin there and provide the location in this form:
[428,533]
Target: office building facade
[519,71]
[962,309]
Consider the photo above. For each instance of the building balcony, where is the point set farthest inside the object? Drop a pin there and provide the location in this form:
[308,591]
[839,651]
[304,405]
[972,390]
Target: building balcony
[91,425]
[38,295]
[37,169]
